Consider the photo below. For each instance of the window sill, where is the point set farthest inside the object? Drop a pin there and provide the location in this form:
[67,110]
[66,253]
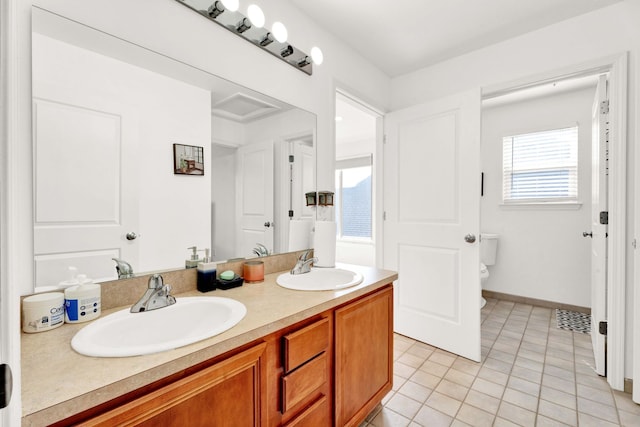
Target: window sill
[569,206]
[356,241]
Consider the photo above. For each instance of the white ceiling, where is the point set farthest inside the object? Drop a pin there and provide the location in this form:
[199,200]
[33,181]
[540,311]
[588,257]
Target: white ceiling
[402,36]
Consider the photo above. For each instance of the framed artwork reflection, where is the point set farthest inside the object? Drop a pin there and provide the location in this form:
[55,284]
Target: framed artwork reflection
[188,160]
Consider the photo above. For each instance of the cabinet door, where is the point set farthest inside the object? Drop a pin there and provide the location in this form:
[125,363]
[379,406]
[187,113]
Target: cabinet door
[227,394]
[363,356]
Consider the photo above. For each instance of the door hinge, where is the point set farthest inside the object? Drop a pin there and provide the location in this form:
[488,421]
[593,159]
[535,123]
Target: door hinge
[634,243]
[604,217]
[602,328]
[384,216]
[384,138]
[291,158]
[290,213]
[6,385]
[604,107]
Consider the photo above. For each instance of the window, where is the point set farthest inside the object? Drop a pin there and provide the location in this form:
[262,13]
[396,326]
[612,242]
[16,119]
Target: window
[541,166]
[353,198]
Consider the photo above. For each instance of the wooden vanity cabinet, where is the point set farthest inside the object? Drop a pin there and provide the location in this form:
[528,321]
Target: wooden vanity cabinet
[229,393]
[303,396]
[331,369]
[363,356]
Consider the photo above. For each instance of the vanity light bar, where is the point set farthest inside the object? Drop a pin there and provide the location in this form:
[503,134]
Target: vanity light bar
[243,27]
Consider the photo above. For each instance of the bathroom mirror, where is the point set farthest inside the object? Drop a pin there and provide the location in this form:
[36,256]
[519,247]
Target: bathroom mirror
[106,116]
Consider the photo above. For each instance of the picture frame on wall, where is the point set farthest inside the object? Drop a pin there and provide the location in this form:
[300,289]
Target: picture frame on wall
[188,159]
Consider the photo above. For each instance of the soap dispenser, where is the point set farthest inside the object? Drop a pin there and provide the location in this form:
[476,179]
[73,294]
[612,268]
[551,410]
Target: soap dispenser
[206,273]
[194,260]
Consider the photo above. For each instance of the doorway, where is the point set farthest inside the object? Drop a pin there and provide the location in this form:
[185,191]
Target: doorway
[615,68]
[356,178]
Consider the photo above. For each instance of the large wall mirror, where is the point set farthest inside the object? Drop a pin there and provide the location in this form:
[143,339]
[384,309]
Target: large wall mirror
[138,156]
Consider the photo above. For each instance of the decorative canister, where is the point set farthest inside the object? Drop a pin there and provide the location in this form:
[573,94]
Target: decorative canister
[253,271]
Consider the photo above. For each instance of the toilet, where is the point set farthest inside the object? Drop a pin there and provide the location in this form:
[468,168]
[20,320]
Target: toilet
[488,251]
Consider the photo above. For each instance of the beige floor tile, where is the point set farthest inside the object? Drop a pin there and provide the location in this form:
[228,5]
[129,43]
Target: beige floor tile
[425,379]
[459,377]
[415,391]
[558,413]
[521,399]
[458,423]
[443,403]
[493,376]
[442,358]
[524,386]
[488,387]
[558,383]
[420,351]
[404,406]
[398,381]
[388,418]
[467,366]
[452,389]
[498,365]
[628,419]
[552,395]
[428,416]
[475,416]
[593,380]
[516,414]
[604,397]
[542,421]
[527,374]
[402,370]
[411,360]
[434,368]
[563,373]
[482,401]
[501,422]
[586,420]
[624,402]
[529,364]
[598,410]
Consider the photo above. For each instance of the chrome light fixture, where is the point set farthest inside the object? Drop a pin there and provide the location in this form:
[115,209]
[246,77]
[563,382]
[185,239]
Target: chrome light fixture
[225,13]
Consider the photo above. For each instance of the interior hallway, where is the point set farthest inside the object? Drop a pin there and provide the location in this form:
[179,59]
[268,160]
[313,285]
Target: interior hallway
[532,374]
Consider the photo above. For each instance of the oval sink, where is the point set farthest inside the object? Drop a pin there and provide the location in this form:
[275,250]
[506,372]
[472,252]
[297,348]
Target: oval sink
[320,279]
[189,320]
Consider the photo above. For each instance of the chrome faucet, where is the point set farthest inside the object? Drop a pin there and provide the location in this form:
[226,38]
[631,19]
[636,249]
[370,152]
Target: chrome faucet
[303,265]
[123,268]
[157,296]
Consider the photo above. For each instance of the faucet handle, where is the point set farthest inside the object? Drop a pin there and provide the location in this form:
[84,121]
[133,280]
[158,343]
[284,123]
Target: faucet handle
[305,255]
[155,282]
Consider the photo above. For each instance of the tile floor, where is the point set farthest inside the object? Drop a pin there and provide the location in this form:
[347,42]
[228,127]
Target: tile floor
[532,374]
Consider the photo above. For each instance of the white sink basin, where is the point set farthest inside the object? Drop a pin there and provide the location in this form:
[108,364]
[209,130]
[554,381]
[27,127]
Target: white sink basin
[320,279]
[189,320]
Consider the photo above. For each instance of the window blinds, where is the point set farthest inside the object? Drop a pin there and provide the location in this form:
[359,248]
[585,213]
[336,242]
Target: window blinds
[541,166]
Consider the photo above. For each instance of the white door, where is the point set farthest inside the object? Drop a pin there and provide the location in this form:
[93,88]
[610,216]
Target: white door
[85,184]
[304,180]
[599,185]
[431,232]
[254,197]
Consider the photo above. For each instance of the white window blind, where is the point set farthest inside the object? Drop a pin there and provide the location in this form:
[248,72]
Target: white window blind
[541,166]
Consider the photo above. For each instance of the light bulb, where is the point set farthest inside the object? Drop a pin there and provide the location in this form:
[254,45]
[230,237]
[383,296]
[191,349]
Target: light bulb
[256,15]
[279,31]
[316,55]
[231,5]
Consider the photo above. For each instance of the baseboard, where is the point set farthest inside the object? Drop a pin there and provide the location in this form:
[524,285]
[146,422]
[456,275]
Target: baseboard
[628,385]
[534,301]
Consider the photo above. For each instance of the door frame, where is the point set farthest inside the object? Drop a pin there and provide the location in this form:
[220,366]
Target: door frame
[616,66]
[377,174]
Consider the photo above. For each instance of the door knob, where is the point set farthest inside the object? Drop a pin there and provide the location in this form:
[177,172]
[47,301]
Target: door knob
[132,235]
[587,234]
[470,238]
[268,224]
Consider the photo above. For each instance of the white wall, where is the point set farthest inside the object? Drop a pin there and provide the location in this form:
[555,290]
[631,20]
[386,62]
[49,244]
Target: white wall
[541,252]
[592,36]
[168,111]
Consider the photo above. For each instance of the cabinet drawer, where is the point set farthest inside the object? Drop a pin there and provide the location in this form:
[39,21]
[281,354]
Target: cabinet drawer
[299,384]
[313,416]
[304,344]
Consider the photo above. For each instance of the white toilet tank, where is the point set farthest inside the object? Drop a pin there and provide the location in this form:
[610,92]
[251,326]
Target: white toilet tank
[488,248]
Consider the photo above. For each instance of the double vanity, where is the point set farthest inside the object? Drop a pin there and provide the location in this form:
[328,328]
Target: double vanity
[296,357]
